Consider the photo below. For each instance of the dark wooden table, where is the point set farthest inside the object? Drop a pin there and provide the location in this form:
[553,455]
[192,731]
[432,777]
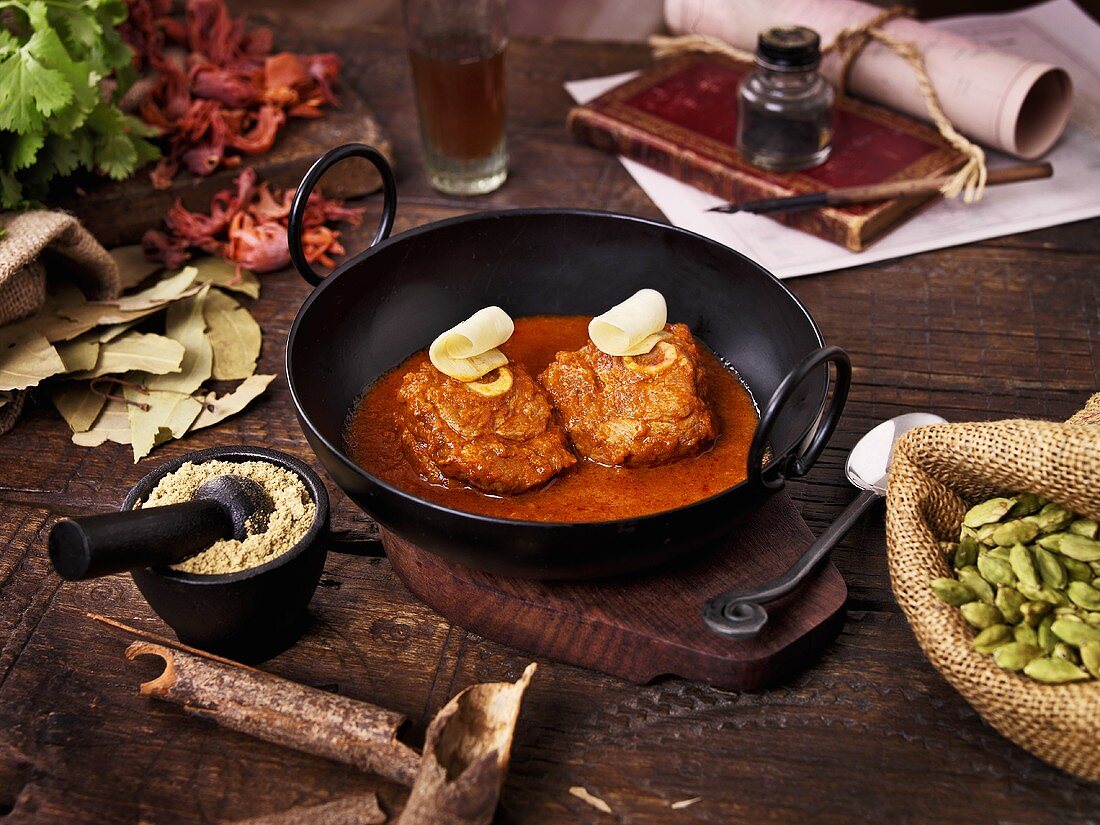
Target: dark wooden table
[870,732]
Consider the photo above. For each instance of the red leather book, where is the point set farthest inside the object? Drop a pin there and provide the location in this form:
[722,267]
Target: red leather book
[680,118]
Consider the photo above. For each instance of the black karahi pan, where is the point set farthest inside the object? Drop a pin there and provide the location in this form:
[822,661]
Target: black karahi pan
[391,300]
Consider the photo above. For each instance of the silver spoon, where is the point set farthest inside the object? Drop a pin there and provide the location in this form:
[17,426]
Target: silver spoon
[738,613]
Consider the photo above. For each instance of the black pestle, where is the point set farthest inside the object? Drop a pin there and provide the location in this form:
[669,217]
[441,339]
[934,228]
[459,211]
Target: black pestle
[84,548]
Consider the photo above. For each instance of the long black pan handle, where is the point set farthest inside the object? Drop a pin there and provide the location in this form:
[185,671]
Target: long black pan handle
[794,465]
[739,614]
[84,548]
[305,189]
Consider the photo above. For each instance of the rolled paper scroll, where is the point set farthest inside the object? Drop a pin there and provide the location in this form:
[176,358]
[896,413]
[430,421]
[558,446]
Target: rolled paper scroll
[632,327]
[469,351]
[1017,105]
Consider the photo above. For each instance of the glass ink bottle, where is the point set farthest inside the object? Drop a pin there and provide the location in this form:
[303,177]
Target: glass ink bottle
[785,108]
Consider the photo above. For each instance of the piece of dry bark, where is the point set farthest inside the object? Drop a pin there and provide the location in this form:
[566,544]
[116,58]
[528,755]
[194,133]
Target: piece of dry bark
[361,809]
[466,756]
[280,711]
[586,795]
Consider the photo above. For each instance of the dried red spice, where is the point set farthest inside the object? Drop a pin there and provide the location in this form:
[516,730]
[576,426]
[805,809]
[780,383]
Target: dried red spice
[248,226]
[214,89]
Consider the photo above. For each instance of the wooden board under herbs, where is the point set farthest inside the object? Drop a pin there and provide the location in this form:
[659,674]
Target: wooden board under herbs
[119,212]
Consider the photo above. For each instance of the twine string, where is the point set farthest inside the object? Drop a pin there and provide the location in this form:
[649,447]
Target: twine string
[969,180]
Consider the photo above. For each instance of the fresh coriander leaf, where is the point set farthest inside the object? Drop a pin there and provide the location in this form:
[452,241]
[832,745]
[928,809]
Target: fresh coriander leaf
[8,43]
[11,191]
[80,31]
[29,92]
[24,149]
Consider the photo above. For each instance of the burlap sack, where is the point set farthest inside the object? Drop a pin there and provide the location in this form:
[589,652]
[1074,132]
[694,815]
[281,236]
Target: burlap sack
[36,242]
[936,474]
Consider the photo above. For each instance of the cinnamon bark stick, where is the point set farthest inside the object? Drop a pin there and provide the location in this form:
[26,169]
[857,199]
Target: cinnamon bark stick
[361,809]
[280,711]
[466,756]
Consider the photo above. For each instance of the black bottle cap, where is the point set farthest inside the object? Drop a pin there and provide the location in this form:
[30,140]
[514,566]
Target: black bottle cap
[788,48]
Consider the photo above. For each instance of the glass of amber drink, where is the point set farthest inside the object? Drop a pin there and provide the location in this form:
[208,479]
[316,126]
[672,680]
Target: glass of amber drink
[456,49]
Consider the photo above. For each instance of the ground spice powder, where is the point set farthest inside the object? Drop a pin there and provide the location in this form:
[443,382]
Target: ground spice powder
[293,511]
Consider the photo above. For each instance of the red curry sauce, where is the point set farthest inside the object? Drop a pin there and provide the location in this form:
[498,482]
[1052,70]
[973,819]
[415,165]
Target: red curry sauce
[587,491]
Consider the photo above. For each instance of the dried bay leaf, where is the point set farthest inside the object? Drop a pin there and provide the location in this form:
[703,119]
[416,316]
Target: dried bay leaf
[78,354]
[154,354]
[216,409]
[63,295]
[156,417]
[186,324]
[172,286]
[113,424]
[78,405]
[234,335]
[69,323]
[114,330]
[26,358]
[221,273]
[133,266]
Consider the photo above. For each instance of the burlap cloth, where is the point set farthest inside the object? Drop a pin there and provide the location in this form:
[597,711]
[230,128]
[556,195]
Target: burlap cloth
[936,474]
[33,244]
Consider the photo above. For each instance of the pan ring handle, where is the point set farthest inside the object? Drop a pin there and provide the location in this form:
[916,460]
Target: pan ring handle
[794,465]
[305,189]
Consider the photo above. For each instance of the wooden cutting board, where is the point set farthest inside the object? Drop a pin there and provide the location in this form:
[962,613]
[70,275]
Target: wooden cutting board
[645,626]
[119,212]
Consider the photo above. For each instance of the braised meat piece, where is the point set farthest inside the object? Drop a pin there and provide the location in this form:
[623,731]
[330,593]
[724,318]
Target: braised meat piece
[633,411]
[497,434]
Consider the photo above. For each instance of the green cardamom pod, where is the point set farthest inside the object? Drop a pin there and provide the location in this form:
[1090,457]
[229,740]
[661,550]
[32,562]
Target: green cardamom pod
[967,552]
[1026,504]
[992,638]
[1074,633]
[1096,582]
[952,592]
[984,535]
[1025,635]
[1065,652]
[996,571]
[1051,570]
[978,586]
[981,615]
[995,553]
[1043,594]
[1078,571]
[1084,595]
[1016,655]
[1015,532]
[1068,612]
[1023,565]
[1090,657]
[1033,612]
[988,512]
[1052,518]
[1072,545]
[1086,527]
[1054,671]
[1009,601]
[1092,619]
[1047,639]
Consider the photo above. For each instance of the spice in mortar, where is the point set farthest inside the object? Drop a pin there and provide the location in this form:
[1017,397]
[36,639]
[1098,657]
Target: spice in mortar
[293,511]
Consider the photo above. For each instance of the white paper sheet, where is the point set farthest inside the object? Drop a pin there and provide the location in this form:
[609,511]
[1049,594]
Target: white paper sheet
[1055,32]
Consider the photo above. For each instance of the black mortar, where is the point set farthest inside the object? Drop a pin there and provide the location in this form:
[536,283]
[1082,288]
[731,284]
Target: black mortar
[253,614]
